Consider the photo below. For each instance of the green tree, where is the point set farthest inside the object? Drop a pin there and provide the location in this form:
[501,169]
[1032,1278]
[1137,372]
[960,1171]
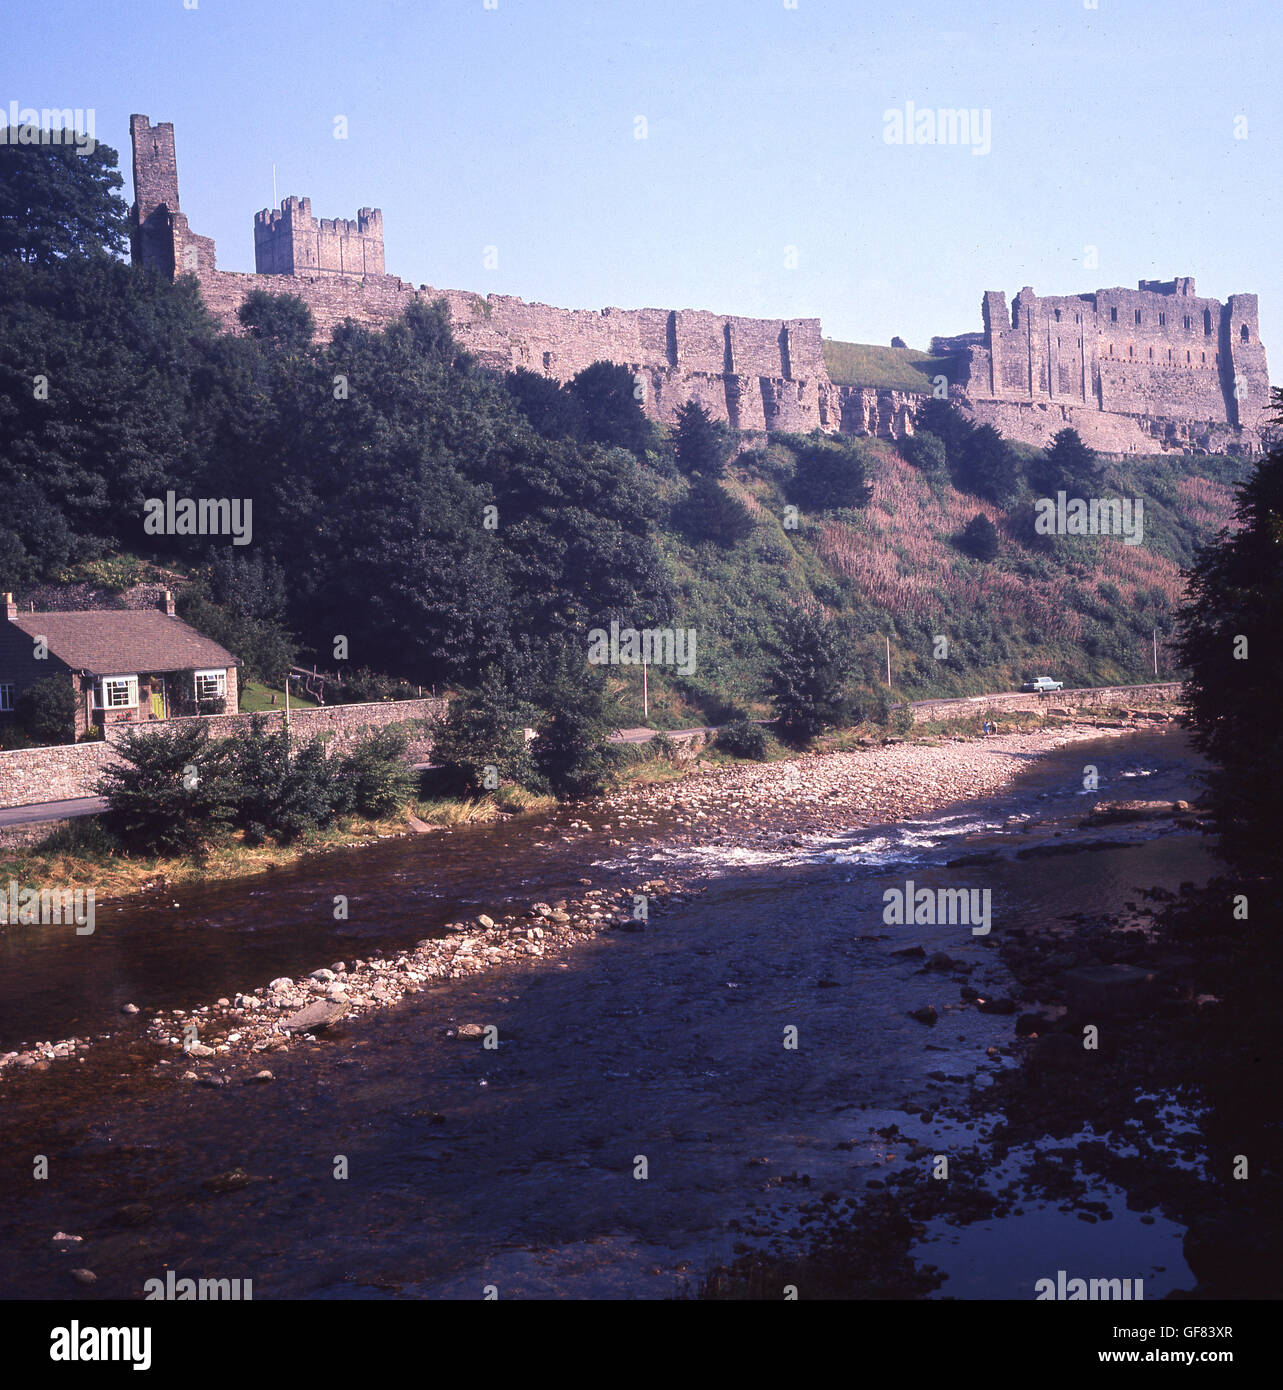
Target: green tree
[240,603]
[552,410]
[170,794]
[482,734]
[830,472]
[104,403]
[57,202]
[700,443]
[376,780]
[988,467]
[611,413]
[1069,466]
[809,679]
[569,752]
[925,451]
[1228,641]
[277,792]
[944,420]
[281,322]
[711,513]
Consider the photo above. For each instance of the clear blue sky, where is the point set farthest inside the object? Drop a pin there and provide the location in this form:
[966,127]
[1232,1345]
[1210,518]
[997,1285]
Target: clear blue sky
[514,127]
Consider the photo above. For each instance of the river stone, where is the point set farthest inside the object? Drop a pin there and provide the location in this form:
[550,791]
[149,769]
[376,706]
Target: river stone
[280,984]
[1109,989]
[926,1014]
[316,1016]
[230,1181]
[84,1276]
[129,1008]
[324,976]
[469,1030]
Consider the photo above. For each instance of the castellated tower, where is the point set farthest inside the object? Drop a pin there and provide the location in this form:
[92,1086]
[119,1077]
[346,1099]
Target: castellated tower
[159,236]
[289,241]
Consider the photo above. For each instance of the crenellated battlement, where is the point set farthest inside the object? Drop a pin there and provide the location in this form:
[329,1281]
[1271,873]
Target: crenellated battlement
[289,240]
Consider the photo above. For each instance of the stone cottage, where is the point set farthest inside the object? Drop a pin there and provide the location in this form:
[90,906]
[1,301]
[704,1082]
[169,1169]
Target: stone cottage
[126,667]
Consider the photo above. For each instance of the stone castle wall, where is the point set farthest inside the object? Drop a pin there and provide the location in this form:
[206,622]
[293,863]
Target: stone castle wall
[1189,375]
[1131,370]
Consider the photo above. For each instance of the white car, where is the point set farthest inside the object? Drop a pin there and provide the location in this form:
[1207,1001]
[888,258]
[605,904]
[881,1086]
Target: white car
[1043,683]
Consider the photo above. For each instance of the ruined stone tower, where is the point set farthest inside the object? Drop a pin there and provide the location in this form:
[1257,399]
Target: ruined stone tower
[159,236]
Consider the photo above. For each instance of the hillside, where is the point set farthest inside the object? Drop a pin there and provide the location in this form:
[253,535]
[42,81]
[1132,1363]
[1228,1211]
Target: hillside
[1084,614]
[869,364]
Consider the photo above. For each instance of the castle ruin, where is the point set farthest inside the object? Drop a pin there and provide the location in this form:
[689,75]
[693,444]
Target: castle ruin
[1145,370]
[1149,370]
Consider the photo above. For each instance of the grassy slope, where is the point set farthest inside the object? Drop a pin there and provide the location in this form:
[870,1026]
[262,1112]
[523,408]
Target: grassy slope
[1084,615]
[868,364]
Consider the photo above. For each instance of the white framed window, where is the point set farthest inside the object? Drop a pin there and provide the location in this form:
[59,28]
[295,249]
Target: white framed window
[6,696]
[211,685]
[117,692]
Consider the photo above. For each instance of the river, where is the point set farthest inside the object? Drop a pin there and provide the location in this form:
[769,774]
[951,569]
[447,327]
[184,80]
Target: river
[641,1116]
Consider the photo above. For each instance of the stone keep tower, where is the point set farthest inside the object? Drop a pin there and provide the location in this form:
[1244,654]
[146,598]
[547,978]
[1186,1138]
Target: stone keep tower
[159,236]
[289,241]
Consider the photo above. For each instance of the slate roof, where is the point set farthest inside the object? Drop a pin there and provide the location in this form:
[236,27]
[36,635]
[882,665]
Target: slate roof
[117,642]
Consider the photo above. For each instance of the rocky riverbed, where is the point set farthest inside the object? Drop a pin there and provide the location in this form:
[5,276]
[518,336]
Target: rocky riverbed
[747,806]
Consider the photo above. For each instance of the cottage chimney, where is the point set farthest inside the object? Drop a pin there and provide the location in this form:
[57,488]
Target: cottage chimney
[10,608]
[167,603]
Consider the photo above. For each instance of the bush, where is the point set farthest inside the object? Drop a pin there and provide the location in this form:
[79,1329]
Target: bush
[276,796]
[662,746]
[830,473]
[481,741]
[362,686]
[925,451]
[743,739]
[374,774]
[700,443]
[171,794]
[711,513]
[979,538]
[47,711]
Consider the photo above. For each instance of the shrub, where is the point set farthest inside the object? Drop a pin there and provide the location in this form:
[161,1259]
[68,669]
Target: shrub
[170,795]
[47,711]
[743,739]
[830,473]
[711,513]
[979,538]
[662,746]
[374,774]
[925,451]
[568,754]
[481,741]
[276,796]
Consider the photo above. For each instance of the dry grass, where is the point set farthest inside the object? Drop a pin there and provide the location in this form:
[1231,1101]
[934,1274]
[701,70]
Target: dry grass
[78,855]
